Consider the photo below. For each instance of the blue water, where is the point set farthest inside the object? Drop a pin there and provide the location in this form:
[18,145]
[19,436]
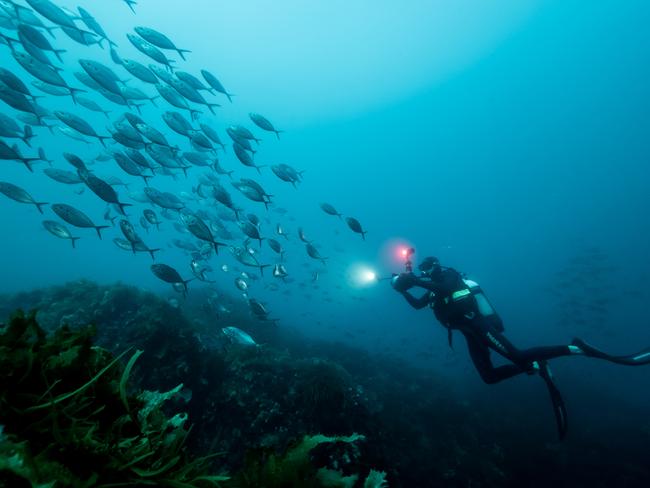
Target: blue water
[506,141]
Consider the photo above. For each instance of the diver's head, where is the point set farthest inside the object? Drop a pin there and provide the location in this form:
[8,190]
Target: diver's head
[430,266]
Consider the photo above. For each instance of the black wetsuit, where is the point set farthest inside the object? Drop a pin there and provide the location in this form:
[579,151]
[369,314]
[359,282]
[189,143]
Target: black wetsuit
[482,332]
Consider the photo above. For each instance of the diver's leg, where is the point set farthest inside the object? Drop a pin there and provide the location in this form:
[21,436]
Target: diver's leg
[524,357]
[480,354]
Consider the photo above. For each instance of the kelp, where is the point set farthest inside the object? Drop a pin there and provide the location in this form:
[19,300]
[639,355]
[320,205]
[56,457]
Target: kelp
[294,468]
[69,420]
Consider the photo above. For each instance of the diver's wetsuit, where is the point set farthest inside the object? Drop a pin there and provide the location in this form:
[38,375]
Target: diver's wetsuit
[460,305]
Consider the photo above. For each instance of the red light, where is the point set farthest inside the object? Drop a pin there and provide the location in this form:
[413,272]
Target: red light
[405,252]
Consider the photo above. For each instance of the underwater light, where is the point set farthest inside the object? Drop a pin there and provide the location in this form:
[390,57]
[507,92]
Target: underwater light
[368,276]
[361,275]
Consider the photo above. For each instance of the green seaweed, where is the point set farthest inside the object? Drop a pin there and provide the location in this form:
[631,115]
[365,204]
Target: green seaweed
[69,421]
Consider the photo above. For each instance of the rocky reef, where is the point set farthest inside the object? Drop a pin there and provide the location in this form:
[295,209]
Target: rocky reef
[114,386]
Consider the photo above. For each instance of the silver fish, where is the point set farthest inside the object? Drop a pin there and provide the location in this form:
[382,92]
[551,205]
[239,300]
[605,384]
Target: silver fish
[76,217]
[263,123]
[18,194]
[59,230]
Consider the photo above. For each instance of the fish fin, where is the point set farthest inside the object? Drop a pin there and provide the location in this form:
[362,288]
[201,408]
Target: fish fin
[98,228]
[230,95]
[216,246]
[262,266]
[58,52]
[75,91]
[277,133]
[101,139]
[146,179]
[39,204]
[211,105]
[28,135]
[74,240]
[152,100]
[151,252]
[182,51]
[195,114]
[121,207]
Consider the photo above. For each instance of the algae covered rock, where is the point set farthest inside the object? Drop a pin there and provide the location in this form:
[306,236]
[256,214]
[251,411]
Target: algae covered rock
[68,418]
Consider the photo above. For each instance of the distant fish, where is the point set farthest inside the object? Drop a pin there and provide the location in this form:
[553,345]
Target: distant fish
[241,284]
[215,84]
[59,230]
[104,191]
[192,81]
[137,247]
[31,35]
[18,194]
[164,199]
[159,40]
[76,217]
[149,49]
[140,71]
[62,176]
[313,253]
[79,124]
[330,210]
[279,271]
[151,217]
[263,123]
[13,154]
[356,226]
[279,230]
[238,336]
[169,275]
[42,71]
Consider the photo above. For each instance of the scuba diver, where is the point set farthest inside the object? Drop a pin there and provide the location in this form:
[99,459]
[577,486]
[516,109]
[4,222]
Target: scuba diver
[460,304]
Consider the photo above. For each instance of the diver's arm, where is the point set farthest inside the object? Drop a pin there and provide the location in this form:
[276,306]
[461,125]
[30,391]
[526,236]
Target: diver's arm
[427,285]
[416,303]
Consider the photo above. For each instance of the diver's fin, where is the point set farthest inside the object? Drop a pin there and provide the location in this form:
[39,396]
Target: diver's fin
[556,399]
[638,359]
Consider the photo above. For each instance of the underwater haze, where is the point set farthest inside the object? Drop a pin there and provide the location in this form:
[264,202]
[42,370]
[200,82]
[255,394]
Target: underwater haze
[311,144]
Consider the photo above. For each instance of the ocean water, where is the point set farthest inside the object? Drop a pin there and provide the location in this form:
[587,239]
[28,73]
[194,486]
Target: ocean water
[509,139]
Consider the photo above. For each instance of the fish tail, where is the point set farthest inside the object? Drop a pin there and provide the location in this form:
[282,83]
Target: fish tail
[211,107]
[28,135]
[50,29]
[58,52]
[277,133]
[74,240]
[152,100]
[99,228]
[216,245]
[363,234]
[258,168]
[43,157]
[195,114]
[146,179]
[182,52]
[186,282]
[151,253]
[101,139]
[121,207]
[262,266]
[230,95]
[39,204]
